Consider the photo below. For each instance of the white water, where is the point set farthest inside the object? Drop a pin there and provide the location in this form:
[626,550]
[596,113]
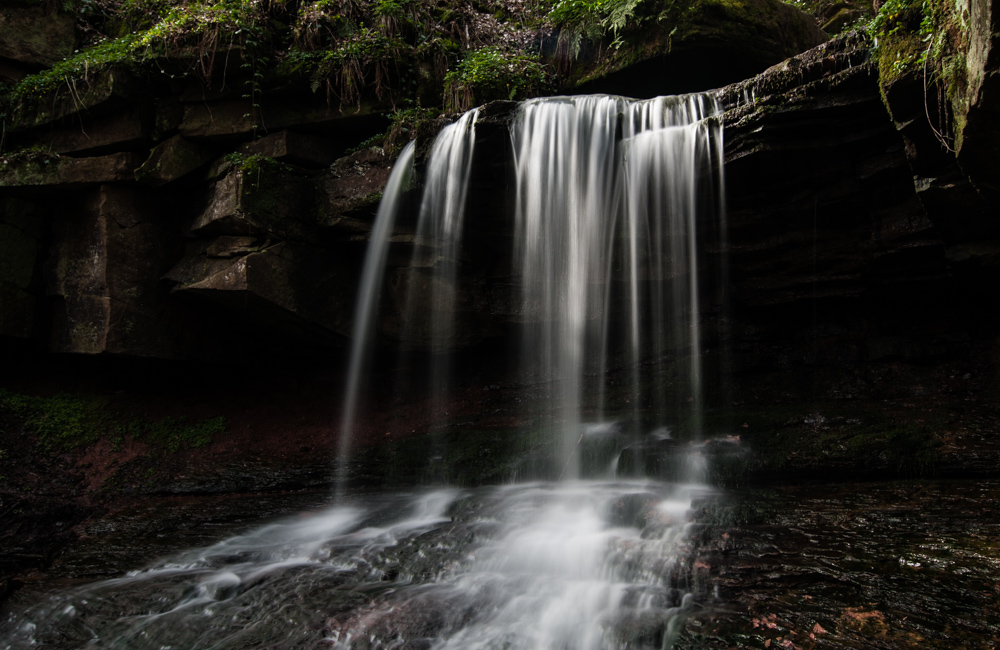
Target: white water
[368,298]
[609,195]
[577,565]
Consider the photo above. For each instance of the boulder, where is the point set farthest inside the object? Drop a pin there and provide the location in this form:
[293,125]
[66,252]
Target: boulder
[349,193]
[260,198]
[289,288]
[35,37]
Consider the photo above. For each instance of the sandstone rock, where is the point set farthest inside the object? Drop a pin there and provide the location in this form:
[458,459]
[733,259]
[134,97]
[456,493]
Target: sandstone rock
[296,289]
[350,192]
[167,117]
[104,269]
[293,148]
[236,118]
[170,160]
[831,211]
[722,42]
[114,132]
[231,246]
[34,36]
[978,134]
[68,173]
[266,199]
[101,92]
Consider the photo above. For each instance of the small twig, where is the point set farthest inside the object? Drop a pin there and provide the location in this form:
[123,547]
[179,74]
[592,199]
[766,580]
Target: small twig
[569,459]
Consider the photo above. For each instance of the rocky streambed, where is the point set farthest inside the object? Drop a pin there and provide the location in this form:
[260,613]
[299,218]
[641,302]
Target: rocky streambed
[905,564]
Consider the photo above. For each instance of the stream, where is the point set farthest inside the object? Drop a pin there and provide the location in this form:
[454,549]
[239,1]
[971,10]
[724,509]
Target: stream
[582,564]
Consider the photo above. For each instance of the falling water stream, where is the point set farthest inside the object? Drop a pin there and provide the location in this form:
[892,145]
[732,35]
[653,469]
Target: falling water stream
[612,201]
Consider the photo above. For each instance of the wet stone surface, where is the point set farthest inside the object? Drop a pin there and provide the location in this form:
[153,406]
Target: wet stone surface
[912,564]
[877,565]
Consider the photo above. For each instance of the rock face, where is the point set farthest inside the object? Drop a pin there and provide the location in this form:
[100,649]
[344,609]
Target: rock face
[108,252]
[31,38]
[825,218]
[716,43]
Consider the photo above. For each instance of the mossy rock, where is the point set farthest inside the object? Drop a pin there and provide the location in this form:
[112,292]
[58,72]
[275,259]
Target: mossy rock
[711,44]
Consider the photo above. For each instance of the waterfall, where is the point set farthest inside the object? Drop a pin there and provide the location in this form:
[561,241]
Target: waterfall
[614,200]
[368,294]
[606,182]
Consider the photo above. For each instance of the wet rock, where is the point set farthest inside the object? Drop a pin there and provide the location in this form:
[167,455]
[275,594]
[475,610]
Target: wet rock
[171,160]
[876,565]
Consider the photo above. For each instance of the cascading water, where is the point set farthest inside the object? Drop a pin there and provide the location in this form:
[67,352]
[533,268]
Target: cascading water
[609,193]
[612,198]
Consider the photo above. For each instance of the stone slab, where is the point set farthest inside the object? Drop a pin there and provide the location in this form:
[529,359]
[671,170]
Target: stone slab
[69,173]
[117,131]
[293,148]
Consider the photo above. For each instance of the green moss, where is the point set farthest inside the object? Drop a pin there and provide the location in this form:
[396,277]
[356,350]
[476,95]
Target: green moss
[61,423]
[177,433]
[897,55]
[67,422]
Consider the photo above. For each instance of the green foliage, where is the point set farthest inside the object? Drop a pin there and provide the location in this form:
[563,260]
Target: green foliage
[929,37]
[253,164]
[195,25]
[176,433]
[66,422]
[490,73]
[348,48]
[594,18]
[62,423]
